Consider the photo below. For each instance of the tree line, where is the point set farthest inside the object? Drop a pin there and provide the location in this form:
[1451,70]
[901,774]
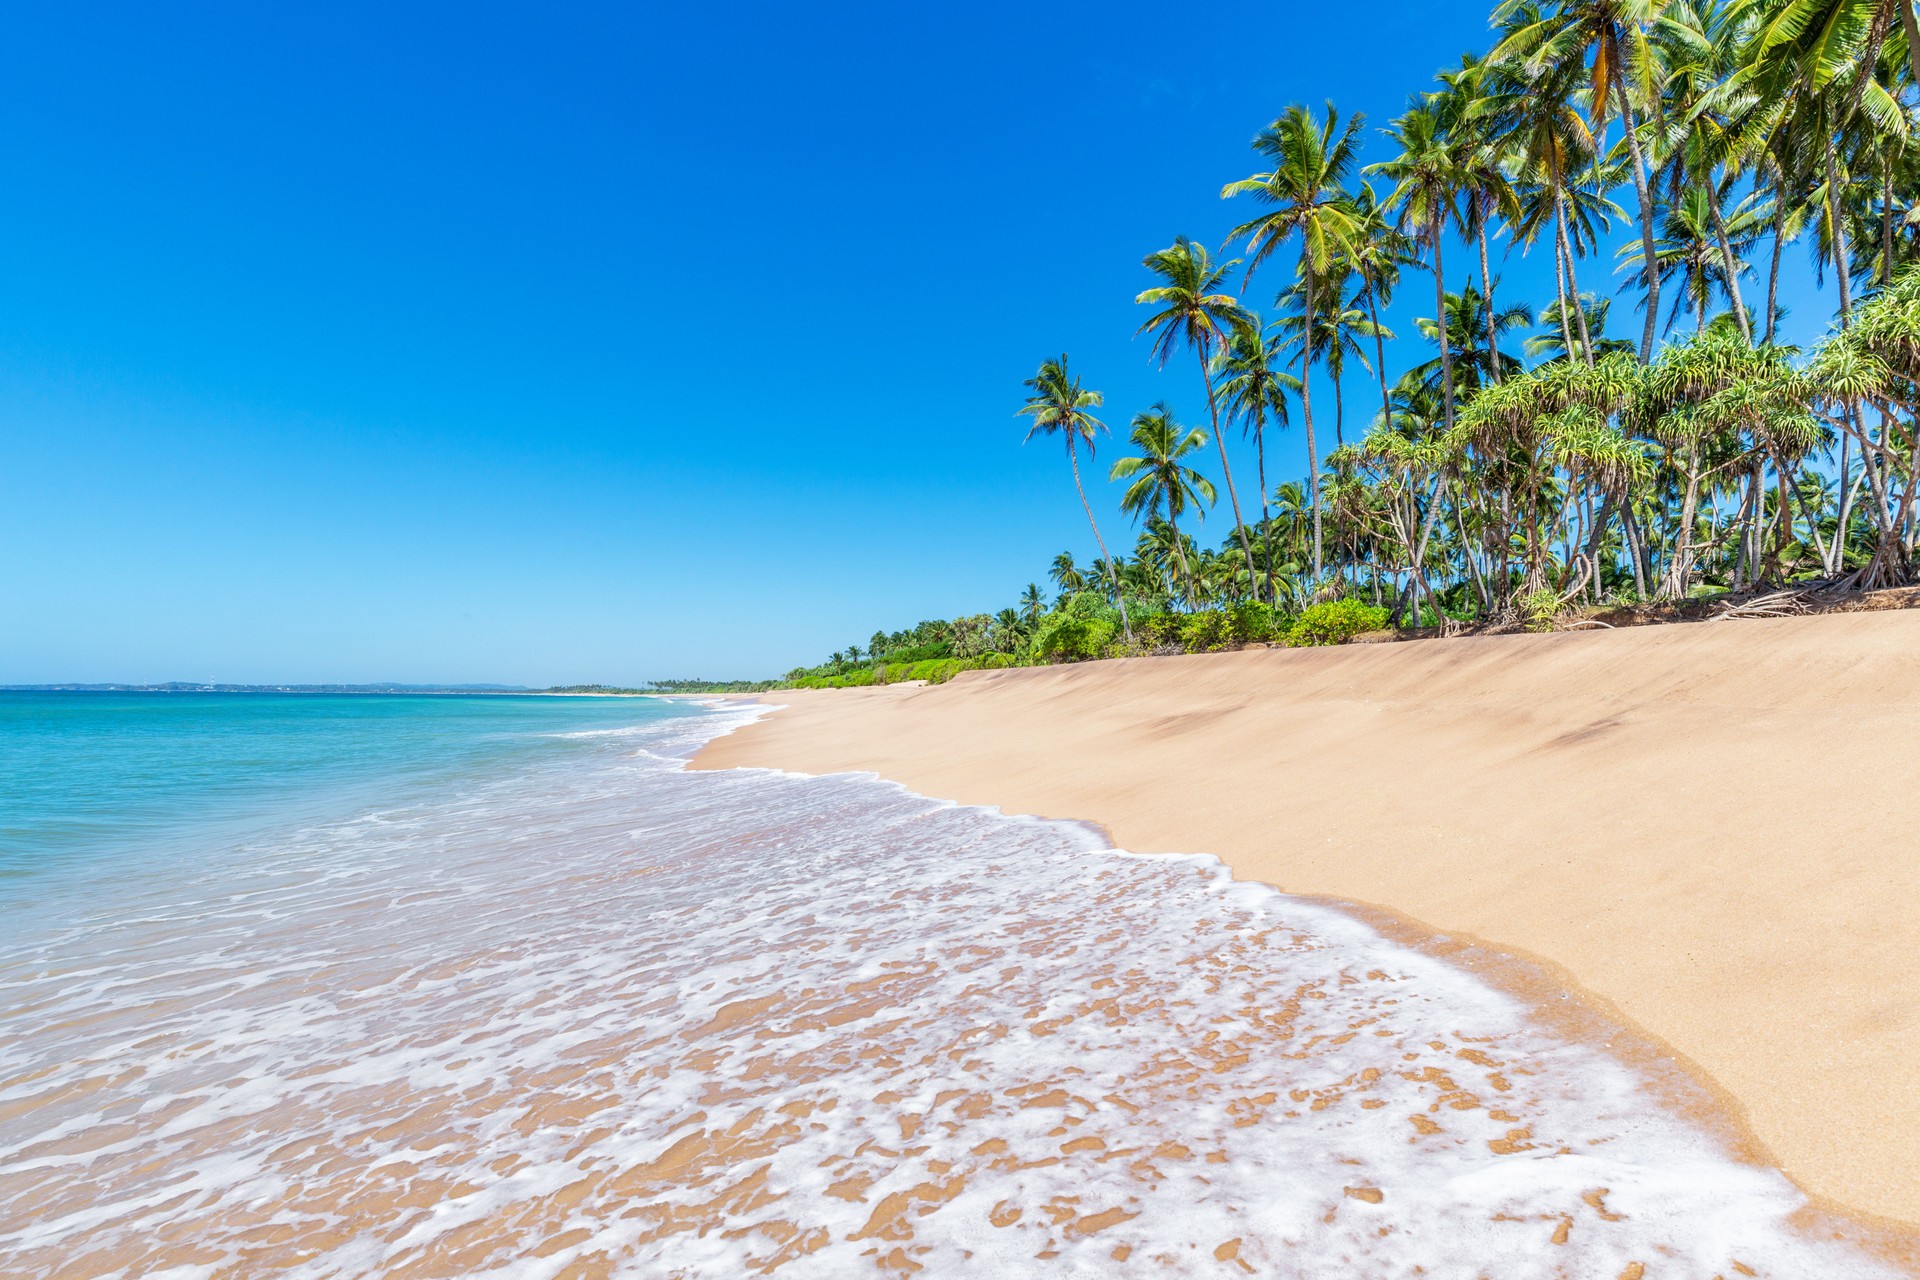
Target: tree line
[1535,455]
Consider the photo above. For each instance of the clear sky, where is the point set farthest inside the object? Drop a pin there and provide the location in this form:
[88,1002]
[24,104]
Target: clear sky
[601,343]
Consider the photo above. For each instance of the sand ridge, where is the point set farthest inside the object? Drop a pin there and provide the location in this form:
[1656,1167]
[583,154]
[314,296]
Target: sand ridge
[1711,827]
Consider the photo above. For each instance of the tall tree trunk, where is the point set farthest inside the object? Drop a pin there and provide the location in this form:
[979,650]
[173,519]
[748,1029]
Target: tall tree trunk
[1306,407]
[1266,513]
[1727,263]
[1779,244]
[1379,358]
[1440,320]
[1886,213]
[1339,413]
[1113,576]
[1650,271]
[1573,279]
[1486,287]
[1239,525]
[1560,286]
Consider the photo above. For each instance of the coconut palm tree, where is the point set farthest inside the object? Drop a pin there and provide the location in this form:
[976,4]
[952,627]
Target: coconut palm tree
[1033,603]
[1377,253]
[1066,575]
[1163,484]
[1310,162]
[1193,313]
[1254,387]
[1060,406]
[1427,176]
[1473,333]
[1469,110]
[1336,331]
[1608,38]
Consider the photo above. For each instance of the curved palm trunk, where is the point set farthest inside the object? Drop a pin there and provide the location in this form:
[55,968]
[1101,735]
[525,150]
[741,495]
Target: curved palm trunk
[1732,274]
[1440,321]
[1306,406]
[1239,525]
[1266,513]
[1650,271]
[1119,594]
[1560,284]
[1573,279]
[1486,287]
[1379,357]
[1779,244]
[1180,553]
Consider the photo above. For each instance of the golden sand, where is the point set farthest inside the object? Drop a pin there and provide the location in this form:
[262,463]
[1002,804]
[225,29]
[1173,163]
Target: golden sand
[1710,828]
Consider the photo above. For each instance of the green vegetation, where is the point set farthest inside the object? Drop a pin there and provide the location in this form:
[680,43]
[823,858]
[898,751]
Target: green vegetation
[1535,466]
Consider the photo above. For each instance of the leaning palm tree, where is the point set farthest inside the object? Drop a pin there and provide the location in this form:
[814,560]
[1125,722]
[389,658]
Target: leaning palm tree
[1193,313]
[1163,485]
[1255,388]
[1060,406]
[1312,160]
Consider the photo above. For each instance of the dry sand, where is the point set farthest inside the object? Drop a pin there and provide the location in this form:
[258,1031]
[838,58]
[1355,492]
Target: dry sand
[1708,827]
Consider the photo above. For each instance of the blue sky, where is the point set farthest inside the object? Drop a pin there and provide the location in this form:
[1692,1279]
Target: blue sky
[600,343]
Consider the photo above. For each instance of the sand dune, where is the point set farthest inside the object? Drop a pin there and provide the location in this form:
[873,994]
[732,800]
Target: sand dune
[1711,827]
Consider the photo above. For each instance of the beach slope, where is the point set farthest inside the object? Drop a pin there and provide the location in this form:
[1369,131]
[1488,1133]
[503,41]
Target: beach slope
[1710,827]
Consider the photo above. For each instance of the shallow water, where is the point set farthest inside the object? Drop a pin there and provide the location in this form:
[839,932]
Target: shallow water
[594,1015]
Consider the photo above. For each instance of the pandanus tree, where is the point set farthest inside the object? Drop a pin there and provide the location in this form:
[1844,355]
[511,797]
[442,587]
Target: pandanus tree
[1311,160]
[1060,406]
[1163,485]
[1194,313]
[1254,387]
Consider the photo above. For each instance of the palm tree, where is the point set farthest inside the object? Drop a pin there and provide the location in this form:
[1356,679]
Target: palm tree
[1311,163]
[1473,332]
[1609,38]
[1255,388]
[1376,254]
[1426,175]
[1469,109]
[1033,603]
[1336,329]
[1060,406]
[1163,485]
[1066,575]
[1193,312]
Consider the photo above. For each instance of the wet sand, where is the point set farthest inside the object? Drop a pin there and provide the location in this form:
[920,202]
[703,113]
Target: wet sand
[1709,828]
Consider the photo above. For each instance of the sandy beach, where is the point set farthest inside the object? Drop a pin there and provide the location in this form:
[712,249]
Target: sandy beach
[1706,830]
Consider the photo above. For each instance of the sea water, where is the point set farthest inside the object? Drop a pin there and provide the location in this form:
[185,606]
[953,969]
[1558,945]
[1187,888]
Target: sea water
[497,987]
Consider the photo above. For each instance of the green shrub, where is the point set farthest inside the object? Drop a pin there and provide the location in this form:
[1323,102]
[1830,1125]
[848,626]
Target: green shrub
[1251,622]
[1335,622]
[1207,629]
[1158,630]
[1065,637]
[1540,608]
[992,661]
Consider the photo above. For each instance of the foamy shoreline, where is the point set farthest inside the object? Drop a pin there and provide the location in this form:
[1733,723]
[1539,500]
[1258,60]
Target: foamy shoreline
[1682,821]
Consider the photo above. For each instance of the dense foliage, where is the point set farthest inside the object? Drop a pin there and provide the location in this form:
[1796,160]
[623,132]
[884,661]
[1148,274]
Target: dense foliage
[1537,463]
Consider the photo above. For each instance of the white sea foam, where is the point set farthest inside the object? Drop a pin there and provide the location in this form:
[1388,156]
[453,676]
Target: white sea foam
[619,1019]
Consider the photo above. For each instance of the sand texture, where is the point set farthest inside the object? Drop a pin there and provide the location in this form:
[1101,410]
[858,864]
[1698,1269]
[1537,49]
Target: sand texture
[1710,826]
